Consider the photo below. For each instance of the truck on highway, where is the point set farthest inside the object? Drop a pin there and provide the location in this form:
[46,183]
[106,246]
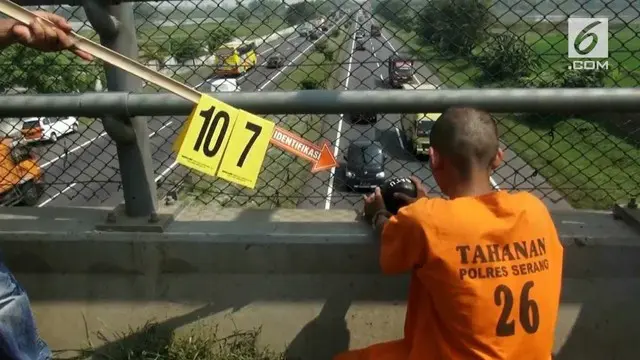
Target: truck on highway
[400,69]
[375,30]
[417,127]
[235,59]
[21,178]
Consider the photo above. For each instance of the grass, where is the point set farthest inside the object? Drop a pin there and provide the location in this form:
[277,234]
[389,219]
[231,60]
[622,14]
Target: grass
[86,121]
[590,161]
[153,342]
[283,175]
[316,67]
[281,180]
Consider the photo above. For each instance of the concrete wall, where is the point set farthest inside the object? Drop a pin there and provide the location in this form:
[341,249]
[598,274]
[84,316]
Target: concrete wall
[309,278]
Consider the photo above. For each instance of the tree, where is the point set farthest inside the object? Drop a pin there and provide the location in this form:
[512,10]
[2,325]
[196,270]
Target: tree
[218,37]
[507,57]
[265,8]
[46,72]
[321,46]
[185,49]
[151,53]
[454,26]
[144,11]
[241,14]
[300,12]
[310,84]
[395,11]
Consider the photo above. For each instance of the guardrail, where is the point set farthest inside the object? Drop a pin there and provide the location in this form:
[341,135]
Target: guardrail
[575,146]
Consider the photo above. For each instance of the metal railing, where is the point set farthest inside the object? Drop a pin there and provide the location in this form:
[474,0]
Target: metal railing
[572,146]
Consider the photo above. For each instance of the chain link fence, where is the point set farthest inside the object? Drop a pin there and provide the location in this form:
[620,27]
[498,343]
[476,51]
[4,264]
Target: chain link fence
[580,160]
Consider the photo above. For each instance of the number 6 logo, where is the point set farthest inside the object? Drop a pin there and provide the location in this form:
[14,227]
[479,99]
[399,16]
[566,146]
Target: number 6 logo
[585,35]
[588,38]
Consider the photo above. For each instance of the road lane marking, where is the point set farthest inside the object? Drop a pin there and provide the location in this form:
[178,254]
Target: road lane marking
[394,50]
[327,204]
[166,125]
[292,62]
[174,163]
[56,195]
[400,138]
[103,134]
[493,182]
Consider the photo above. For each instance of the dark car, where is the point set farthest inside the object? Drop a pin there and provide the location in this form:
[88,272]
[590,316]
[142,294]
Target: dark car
[400,69]
[360,45]
[366,118]
[314,35]
[375,30]
[275,61]
[365,164]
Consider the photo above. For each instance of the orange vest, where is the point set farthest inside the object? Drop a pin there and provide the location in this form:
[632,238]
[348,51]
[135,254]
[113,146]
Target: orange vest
[486,279]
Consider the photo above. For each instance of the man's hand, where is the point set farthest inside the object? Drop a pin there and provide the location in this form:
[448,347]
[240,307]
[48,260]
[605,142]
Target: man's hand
[422,192]
[372,204]
[44,36]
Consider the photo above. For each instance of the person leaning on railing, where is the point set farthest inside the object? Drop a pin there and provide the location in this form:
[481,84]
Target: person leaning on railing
[19,339]
[486,265]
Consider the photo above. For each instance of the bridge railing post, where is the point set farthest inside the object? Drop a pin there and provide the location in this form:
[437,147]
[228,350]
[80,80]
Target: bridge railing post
[115,25]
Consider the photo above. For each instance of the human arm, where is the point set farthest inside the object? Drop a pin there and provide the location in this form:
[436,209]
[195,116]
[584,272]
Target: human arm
[403,242]
[47,33]
[402,239]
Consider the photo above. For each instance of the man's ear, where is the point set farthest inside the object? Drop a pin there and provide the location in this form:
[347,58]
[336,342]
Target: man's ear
[434,158]
[497,160]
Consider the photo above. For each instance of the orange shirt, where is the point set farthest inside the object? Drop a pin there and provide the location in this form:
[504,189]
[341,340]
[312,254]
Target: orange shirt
[486,279]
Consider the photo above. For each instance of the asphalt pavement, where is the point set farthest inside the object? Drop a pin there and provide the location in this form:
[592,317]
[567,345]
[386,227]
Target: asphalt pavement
[87,173]
[366,70]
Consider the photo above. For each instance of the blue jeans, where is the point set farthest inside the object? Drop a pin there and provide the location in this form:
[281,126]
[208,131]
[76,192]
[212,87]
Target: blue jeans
[19,339]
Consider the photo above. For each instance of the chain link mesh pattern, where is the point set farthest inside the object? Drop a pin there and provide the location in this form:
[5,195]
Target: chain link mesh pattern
[582,161]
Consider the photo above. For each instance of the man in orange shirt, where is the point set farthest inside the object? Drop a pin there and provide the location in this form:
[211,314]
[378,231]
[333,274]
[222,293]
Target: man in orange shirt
[486,265]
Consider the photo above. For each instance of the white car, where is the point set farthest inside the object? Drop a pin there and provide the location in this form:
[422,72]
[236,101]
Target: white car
[224,85]
[48,129]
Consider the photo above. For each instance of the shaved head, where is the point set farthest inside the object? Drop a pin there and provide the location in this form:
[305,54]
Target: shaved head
[467,137]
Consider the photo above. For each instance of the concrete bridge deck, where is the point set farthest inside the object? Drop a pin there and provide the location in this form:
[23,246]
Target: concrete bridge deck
[309,277]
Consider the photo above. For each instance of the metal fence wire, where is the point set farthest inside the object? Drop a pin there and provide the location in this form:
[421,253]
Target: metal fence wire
[580,160]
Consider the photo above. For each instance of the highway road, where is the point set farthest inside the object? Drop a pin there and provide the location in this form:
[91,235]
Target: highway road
[367,70]
[89,175]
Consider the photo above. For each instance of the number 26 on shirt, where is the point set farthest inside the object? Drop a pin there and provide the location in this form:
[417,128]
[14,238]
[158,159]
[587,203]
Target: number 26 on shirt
[527,314]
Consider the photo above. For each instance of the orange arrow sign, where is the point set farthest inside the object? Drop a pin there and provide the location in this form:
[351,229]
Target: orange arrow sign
[321,157]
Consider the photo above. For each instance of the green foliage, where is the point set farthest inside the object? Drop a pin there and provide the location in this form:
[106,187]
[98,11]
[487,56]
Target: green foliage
[241,14]
[153,53]
[335,32]
[185,49]
[397,12]
[321,46]
[47,72]
[505,57]
[454,26]
[218,37]
[300,12]
[310,84]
